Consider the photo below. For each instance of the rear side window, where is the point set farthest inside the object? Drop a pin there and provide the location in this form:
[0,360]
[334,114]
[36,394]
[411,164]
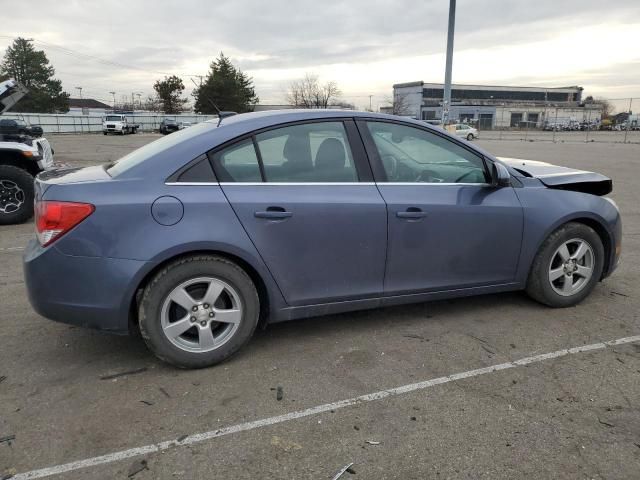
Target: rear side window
[199,172]
[238,163]
[307,153]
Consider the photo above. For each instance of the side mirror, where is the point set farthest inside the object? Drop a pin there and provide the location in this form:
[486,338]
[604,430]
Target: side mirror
[501,176]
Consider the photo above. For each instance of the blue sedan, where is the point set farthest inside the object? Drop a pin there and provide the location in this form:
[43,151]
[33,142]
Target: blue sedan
[196,238]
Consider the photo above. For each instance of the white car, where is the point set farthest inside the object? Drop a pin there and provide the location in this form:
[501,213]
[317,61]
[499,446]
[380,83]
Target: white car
[466,131]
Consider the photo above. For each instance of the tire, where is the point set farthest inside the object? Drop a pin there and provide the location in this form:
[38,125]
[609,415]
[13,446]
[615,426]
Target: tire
[470,137]
[549,262]
[104,133]
[189,349]
[16,190]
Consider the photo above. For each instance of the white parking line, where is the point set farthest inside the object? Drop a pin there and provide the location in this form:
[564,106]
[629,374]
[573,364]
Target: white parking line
[371,397]
[11,249]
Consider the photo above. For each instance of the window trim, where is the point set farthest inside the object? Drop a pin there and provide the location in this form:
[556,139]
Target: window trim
[355,143]
[379,173]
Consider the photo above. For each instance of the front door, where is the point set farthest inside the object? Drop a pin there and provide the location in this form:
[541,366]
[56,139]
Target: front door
[319,229]
[448,227]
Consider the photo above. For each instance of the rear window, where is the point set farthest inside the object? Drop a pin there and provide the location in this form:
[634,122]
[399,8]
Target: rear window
[151,149]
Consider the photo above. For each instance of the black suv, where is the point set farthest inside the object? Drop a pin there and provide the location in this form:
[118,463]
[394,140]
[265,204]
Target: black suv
[168,126]
[19,127]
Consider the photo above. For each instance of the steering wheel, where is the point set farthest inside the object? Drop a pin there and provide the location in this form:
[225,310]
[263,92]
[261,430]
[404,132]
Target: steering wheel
[390,164]
[461,177]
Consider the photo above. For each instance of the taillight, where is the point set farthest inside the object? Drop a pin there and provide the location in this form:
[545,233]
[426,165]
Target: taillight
[54,219]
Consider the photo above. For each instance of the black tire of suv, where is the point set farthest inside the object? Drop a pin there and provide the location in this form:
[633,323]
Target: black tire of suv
[538,285]
[23,180]
[150,308]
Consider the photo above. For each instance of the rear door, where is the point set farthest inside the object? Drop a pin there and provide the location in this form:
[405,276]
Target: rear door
[304,194]
[448,227]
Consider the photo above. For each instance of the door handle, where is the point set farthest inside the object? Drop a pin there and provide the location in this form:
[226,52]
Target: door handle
[273,213]
[411,213]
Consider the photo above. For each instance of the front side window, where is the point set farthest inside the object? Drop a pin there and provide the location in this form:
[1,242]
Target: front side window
[307,153]
[238,163]
[413,155]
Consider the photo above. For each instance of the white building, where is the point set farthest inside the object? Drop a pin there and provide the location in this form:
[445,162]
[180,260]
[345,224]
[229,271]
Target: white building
[496,106]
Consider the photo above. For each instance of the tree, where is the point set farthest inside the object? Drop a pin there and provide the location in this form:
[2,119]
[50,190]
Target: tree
[399,104]
[170,90]
[227,87]
[607,106]
[309,93]
[31,68]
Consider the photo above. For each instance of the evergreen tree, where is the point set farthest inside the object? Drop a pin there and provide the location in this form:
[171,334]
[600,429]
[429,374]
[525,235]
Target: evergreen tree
[226,86]
[31,67]
[170,90]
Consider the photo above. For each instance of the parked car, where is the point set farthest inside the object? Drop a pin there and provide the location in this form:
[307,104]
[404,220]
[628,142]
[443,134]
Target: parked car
[194,239]
[168,126]
[22,156]
[466,131]
[10,126]
[182,125]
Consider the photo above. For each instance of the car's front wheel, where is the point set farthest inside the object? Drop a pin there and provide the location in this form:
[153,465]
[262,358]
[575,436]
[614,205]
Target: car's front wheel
[470,137]
[198,311]
[16,195]
[567,266]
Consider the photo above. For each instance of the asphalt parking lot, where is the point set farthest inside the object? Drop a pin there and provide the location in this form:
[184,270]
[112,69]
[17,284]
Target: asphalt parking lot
[78,404]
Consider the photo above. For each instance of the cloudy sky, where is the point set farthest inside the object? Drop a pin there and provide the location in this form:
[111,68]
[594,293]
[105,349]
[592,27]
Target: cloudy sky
[364,45]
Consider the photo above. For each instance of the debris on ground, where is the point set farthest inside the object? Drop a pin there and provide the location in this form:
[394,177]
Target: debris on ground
[182,438]
[2,378]
[146,402]
[372,442]
[606,423]
[416,336]
[137,467]
[342,471]
[124,374]
[356,427]
[164,392]
[413,419]
[286,445]
[8,439]
[279,393]
[619,294]
[351,471]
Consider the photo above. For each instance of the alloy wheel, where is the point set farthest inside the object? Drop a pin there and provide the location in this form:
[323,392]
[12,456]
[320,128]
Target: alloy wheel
[11,196]
[201,314]
[571,267]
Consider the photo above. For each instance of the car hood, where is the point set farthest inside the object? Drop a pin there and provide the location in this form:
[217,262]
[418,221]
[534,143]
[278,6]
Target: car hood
[563,178]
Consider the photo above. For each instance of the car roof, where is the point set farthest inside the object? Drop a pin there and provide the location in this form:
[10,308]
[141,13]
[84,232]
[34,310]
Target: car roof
[292,115]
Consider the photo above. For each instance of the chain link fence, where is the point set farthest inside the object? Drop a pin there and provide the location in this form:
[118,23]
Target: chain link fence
[75,123]
[605,120]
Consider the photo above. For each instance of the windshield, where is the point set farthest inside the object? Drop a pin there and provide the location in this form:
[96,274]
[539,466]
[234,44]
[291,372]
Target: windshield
[151,149]
[113,118]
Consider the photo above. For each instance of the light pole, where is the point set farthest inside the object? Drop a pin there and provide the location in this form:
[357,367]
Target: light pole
[114,99]
[80,89]
[446,101]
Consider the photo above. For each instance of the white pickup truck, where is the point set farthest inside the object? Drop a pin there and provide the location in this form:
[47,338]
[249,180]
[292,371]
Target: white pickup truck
[118,123]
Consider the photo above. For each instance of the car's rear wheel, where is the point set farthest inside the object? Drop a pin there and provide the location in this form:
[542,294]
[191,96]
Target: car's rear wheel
[567,266]
[198,311]
[16,195]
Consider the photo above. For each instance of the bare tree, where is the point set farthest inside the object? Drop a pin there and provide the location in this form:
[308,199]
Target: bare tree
[399,104]
[309,93]
[607,107]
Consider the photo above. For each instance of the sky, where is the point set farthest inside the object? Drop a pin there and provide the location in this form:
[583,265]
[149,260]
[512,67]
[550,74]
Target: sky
[364,45]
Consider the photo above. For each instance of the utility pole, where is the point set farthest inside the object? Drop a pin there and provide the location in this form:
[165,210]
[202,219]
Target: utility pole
[114,99]
[370,97]
[446,101]
[80,89]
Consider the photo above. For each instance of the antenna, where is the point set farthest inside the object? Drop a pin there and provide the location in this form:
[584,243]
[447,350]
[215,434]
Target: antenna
[220,113]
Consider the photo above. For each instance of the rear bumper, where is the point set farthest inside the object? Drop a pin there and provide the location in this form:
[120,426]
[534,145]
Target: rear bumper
[85,291]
